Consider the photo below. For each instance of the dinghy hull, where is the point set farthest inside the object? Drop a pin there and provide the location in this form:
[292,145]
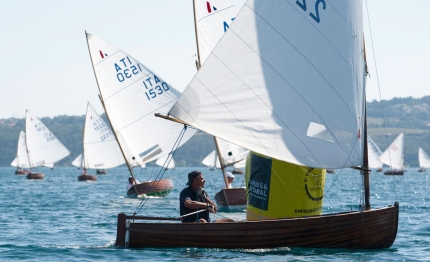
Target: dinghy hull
[394,172]
[371,229]
[159,188]
[35,175]
[235,197]
[87,177]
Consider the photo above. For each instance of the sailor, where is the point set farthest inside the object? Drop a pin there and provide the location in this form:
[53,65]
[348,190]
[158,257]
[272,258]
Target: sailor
[131,182]
[194,198]
[230,178]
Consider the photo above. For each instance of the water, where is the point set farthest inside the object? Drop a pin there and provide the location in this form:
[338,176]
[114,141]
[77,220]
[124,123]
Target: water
[59,218]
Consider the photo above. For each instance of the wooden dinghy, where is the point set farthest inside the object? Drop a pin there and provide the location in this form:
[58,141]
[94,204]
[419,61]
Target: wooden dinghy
[101,172]
[235,197]
[87,177]
[370,229]
[21,172]
[32,175]
[394,172]
[159,188]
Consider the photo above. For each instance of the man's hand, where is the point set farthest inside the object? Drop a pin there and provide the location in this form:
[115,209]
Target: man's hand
[201,192]
[211,208]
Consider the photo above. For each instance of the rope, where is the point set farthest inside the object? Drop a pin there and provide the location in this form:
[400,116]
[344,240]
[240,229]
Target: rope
[162,170]
[380,96]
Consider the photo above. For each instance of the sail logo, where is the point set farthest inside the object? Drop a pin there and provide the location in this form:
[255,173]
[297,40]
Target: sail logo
[208,7]
[394,148]
[315,187]
[258,186]
[102,54]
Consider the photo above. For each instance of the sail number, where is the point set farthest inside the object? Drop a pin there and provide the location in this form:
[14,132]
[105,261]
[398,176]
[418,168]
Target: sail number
[103,129]
[49,136]
[315,16]
[155,87]
[39,127]
[125,69]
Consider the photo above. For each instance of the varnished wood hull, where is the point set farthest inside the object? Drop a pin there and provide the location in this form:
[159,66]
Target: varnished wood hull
[21,172]
[371,229]
[394,172]
[101,172]
[238,171]
[35,175]
[159,188]
[87,177]
[235,197]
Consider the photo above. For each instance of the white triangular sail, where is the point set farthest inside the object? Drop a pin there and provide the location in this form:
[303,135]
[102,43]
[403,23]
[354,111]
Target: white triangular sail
[267,88]
[423,159]
[213,18]
[373,154]
[211,160]
[232,153]
[42,146]
[162,160]
[393,155]
[131,94]
[101,150]
[78,161]
[21,159]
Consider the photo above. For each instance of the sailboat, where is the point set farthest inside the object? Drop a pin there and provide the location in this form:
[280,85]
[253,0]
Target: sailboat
[211,160]
[287,81]
[21,160]
[77,162]
[424,160]
[393,156]
[131,94]
[43,148]
[100,148]
[374,153]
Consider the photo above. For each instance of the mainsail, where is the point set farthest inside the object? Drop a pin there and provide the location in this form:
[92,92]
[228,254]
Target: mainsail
[393,155]
[42,146]
[266,87]
[423,159]
[131,94]
[101,149]
[373,153]
[21,159]
[78,161]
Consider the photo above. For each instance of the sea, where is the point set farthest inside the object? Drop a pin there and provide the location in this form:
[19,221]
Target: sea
[61,219]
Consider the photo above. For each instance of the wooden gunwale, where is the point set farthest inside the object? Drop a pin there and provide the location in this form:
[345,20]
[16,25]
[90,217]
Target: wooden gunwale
[368,229]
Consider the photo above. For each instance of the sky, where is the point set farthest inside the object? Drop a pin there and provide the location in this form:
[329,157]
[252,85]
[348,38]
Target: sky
[46,67]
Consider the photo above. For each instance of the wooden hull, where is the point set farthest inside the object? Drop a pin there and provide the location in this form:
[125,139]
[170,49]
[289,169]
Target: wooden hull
[379,170]
[101,172]
[238,171]
[87,177]
[394,172]
[422,170]
[21,172]
[160,188]
[330,171]
[35,175]
[235,197]
[372,229]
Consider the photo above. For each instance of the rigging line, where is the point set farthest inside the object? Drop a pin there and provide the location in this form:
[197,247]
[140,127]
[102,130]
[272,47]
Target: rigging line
[380,95]
[162,171]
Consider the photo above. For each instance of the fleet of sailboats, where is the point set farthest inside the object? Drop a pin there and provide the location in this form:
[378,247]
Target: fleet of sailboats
[423,160]
[43,148]
[130,94]
[287,81]
[374,153]
[393,156]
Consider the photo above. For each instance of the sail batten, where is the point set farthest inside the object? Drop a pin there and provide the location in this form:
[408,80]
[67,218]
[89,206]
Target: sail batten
[265,86]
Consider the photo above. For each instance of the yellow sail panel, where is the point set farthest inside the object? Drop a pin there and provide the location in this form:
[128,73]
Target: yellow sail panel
[277,189]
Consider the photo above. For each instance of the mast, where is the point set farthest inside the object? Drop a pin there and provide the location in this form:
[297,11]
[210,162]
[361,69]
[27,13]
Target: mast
[198,64]
[366,171]
[83,145]
[107,115]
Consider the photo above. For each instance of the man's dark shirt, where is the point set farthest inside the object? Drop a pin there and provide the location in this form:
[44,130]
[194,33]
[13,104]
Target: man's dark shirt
[188,193]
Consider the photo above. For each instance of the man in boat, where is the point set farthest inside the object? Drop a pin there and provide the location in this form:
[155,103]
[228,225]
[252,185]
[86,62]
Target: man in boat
[131,182]
[193,198]
[230,178]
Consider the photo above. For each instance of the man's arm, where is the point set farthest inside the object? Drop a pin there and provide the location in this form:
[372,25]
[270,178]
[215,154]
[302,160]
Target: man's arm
[194,204]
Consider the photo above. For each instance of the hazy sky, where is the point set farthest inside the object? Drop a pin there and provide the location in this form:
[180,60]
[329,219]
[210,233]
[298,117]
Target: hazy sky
[46,66]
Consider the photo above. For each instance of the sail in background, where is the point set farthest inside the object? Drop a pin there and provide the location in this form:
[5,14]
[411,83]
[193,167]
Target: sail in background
[423,159]
[231,153]
[131,94]
[373,154]
[393,155]
[162,160]
[21,159]
[101,150]
[267,88]
[42,146]
[78,161]
[213,18]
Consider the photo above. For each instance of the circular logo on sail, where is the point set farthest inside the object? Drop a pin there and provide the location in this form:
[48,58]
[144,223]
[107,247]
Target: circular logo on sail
[313,185]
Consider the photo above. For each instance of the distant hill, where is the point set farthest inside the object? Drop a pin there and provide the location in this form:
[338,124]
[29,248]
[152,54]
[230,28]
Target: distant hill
[411,115]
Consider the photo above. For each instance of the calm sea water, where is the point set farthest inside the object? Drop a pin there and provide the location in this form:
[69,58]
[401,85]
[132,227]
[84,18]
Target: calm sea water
[61,219]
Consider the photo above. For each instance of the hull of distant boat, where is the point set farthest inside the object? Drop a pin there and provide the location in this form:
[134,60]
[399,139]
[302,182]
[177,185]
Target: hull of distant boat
[394,172]
[160,188]
[371,229]
[330,171]
[87,177]
[231,198]
[32,175]
[21,172]
[379,170]
[422,170]
[101,172]
[237,171]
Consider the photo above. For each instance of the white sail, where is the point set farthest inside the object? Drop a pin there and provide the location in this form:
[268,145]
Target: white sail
[42,146]
[131,94]
[267,88]
[213,18]
[78,161]
[231,153]
[211,160]
[423,159]
[393,155]
[373,154]
[50,165]
[162,160]
[101,150]
[21,159]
